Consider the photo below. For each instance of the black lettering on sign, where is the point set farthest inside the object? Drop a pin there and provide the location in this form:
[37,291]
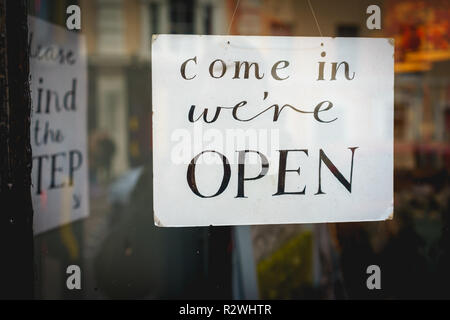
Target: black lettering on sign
[191,175]
[54,165]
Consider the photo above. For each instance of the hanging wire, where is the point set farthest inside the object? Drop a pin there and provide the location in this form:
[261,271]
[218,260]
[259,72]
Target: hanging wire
[232,17]
[314,15]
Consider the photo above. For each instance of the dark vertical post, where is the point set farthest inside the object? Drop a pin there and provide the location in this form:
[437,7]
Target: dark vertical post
[16,212]
[220,264]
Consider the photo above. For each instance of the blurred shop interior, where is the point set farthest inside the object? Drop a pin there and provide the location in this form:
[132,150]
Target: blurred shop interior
[123,255]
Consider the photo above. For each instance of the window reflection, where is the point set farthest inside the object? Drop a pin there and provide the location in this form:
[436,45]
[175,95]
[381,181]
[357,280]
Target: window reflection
[123,255]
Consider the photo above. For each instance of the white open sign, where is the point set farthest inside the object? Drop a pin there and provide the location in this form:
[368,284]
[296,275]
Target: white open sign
[270,130]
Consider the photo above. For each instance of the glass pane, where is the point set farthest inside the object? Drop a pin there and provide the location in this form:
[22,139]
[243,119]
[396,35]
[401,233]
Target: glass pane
[120,251]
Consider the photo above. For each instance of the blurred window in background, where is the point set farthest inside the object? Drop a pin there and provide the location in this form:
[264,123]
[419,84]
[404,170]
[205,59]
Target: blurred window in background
[182,16]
